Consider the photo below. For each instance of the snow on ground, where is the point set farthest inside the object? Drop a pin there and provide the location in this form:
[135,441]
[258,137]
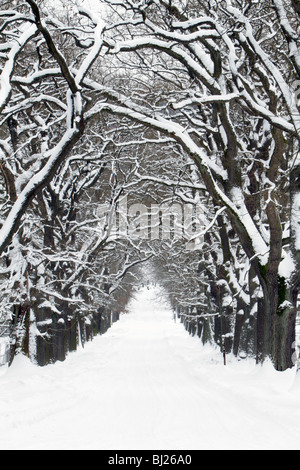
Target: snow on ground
[146,384]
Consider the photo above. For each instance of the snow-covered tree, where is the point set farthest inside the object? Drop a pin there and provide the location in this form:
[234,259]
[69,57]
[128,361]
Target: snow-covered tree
[229,103]
[214,83]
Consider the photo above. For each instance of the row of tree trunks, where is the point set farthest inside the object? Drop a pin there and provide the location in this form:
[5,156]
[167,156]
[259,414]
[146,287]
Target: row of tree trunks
[55,335]
[256,331]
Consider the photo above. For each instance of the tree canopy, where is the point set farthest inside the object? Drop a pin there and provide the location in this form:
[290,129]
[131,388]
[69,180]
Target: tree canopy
[189,112]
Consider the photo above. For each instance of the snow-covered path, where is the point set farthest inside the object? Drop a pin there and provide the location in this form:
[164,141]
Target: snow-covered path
[146,384]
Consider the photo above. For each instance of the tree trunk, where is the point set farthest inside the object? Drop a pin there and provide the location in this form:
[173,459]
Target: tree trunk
[276,325]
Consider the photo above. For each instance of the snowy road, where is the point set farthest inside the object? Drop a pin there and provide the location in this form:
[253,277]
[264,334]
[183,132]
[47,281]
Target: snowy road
[146,384]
